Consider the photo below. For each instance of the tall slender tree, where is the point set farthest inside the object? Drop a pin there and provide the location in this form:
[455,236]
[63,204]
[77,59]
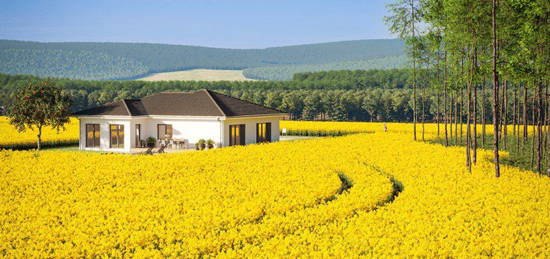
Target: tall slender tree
[404,20]
[495,90]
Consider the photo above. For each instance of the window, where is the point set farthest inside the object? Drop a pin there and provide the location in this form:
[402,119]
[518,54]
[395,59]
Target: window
[236,134]
[92,135]
[263,132]
[164,131]
[138,135]
[117,135]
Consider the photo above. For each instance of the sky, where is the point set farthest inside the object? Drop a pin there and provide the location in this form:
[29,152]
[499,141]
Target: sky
[213,23]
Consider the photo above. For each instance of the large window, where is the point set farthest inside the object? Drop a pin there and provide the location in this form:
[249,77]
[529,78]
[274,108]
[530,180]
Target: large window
[263,132]
[236,134]
[92,135]
[164,131]
[117,135]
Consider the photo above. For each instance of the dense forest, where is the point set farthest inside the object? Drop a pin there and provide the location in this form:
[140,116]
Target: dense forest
[100,61]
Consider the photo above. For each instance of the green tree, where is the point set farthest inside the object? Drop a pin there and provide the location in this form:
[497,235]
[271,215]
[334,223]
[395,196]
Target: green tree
[38,105]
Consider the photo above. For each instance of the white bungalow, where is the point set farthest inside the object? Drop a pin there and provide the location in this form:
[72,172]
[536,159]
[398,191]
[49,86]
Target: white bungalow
[178,120]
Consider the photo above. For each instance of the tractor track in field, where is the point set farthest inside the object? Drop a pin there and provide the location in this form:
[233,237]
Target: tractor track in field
[346,185]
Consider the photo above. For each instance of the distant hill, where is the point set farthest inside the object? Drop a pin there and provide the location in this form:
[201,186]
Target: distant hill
[285,72]
[100,61]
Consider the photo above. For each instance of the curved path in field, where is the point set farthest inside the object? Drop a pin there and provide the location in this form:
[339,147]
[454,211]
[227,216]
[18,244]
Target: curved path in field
[347,202]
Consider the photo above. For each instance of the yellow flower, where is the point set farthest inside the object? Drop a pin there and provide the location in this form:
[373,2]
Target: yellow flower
[376,195]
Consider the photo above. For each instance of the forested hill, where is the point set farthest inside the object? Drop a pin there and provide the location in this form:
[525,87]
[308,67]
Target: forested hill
[80,60]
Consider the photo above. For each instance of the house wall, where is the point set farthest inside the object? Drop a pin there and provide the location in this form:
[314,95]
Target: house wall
[144,130]
[250,128]
[104,142]
[191,130]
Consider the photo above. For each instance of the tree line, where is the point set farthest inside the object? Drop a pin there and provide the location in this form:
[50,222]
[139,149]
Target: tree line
[374,95]
[87,93]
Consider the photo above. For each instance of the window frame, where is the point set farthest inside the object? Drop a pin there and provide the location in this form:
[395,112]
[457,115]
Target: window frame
[96,128]
[119,129]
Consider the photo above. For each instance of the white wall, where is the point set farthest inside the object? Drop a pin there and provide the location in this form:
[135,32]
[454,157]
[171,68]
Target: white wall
[190,130]
[104,132]
[250,128]
[144,130]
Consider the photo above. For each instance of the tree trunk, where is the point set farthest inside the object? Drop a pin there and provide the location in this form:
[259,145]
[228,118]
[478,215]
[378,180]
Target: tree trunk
[533,138]
[483,115]
[547,138]
[525,113]
[501,111]
[451,114]
[539,128]
[39,138]
[515,117]
[445,100]
[514,111]
[437,112]
[495,91]
[456,118]
[423,103]
[504,113]
[475,126]
[468,132]
[461,114]
[414,71]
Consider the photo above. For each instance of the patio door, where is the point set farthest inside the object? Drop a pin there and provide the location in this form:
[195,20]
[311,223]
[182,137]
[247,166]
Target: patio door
[138,135]
[236,135]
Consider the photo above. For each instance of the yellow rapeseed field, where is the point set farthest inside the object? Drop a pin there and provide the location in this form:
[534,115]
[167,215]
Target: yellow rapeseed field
[11,138]
[342,128]
[376,195]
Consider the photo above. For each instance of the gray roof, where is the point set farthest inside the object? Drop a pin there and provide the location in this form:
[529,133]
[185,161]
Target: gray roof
[199,103]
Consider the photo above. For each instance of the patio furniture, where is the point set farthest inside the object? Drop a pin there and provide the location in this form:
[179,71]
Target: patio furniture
[161,149]
[149,151]
[179,143]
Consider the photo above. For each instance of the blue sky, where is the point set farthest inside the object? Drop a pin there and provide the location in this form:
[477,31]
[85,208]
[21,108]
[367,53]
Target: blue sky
[215,23]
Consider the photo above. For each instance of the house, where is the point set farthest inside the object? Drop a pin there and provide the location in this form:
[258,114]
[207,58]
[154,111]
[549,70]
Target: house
[177,119]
